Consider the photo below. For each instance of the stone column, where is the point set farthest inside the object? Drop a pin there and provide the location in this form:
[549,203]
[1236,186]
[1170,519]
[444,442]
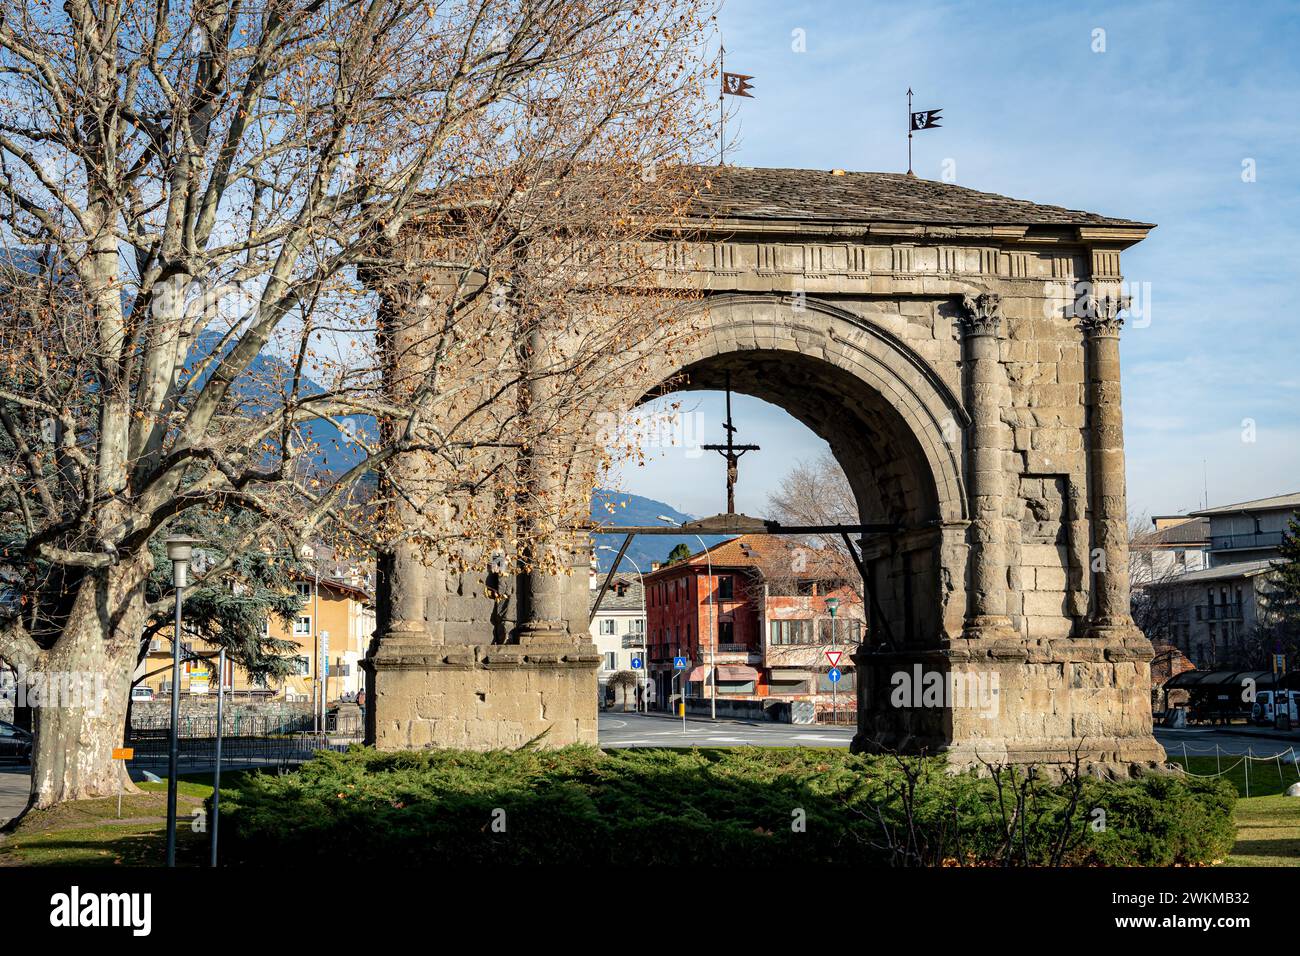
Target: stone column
[542,618]
[404,323]
[987,394]
[1110,614]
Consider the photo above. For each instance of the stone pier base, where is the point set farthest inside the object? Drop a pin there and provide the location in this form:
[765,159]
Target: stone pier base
[1024,702]
[481,696]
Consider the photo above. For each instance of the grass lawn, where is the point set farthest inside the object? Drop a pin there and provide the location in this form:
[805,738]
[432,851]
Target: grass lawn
[1265,779]
[1268,824]
[1268,832]
[90,833]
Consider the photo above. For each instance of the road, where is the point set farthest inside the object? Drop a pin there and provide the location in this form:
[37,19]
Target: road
[644,730]
[641,730]
[15,785]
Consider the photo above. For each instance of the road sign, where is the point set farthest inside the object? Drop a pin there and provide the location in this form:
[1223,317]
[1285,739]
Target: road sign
[636,663]
[834,657]
[833,675]
[123,753]
[680,663]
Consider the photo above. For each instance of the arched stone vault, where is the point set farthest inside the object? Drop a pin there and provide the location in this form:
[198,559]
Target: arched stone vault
[880,406]
[959,353]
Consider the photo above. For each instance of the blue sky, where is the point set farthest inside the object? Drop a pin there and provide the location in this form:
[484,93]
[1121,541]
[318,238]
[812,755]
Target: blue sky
[1155,128]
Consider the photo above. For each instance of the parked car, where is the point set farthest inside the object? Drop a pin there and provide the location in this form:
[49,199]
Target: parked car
[142,692]
[15,743]
[1263,711]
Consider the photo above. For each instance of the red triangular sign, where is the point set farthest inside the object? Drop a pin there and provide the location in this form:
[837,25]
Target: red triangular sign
[834,657]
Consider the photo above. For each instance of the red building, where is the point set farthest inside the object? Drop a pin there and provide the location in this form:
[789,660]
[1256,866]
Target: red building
[764,599]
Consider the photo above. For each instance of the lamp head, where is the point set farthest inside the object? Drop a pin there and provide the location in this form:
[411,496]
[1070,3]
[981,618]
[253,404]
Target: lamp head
[180,548]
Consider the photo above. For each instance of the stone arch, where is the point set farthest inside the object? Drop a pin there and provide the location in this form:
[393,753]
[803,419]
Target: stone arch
[820,361]
[894,424]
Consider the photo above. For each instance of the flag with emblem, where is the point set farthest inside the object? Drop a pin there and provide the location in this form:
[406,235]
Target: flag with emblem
[926,119]
[736,84]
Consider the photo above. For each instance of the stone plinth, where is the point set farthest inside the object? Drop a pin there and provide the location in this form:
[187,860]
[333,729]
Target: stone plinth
[1022,702]
[483,696]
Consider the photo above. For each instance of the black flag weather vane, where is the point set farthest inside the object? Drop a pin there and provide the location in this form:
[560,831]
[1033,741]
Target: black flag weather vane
[738,84]
[924,119]
[732,84]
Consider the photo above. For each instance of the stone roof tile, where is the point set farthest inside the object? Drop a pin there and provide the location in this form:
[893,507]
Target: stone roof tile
[817,195]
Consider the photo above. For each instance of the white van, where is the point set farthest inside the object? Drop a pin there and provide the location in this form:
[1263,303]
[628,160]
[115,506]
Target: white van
[1262,712]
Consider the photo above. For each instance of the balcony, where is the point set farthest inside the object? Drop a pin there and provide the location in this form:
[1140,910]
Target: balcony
[633,640]
[1219,612]
[1245,542]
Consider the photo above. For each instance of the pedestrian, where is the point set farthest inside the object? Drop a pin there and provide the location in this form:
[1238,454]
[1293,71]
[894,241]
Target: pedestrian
[361,705]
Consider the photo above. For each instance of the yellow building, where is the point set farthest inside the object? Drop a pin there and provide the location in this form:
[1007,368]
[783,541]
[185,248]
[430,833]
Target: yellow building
[336,623]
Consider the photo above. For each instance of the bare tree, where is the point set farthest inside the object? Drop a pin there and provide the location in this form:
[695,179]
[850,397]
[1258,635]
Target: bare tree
[819,493]
[201,199]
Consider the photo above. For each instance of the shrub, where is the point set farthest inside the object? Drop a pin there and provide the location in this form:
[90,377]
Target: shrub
[579,805]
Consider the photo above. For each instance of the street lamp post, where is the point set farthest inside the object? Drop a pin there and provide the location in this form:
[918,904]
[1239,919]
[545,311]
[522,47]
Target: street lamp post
[216,775]
[179,550]
[645,650]
[713,631]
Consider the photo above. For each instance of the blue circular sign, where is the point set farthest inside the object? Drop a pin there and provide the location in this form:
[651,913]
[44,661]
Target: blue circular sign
[636,663]
[834,675]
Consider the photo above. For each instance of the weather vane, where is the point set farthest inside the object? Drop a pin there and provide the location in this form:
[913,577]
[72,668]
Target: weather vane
[731,452]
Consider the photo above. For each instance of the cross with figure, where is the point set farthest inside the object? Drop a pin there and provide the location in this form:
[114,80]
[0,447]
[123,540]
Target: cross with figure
[731,452]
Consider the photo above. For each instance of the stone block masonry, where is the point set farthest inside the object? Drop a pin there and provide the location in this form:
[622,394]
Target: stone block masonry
[935,337]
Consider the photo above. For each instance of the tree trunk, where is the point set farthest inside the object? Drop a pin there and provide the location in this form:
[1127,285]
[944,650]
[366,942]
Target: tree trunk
[80,713]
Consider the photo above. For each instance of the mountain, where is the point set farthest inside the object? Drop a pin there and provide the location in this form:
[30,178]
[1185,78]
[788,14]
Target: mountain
[265,384]
[620,508]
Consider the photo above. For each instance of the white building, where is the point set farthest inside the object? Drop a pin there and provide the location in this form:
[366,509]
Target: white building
[1211,612]
[618,629]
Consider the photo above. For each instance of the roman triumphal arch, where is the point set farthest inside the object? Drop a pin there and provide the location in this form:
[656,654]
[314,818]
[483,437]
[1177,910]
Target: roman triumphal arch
[959,351]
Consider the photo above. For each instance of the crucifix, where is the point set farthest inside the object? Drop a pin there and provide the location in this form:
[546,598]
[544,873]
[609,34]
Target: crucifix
[731,452]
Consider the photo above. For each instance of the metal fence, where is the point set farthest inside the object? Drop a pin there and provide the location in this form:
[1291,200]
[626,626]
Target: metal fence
[844,717]
[248,740]
[247,725]
[152,752]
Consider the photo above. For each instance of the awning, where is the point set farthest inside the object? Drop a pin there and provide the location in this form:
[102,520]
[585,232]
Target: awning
[736,672]
[728,672]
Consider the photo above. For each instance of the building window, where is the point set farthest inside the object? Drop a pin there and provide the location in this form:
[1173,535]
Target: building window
[636,625]
[735,687]
[607,626]
[790,632]
[302,625]
[726,632]
[611,661]
[726,589]
[302,666]
[304,590]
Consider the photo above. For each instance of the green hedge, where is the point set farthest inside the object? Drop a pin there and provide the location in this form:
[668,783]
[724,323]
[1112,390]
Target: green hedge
[579,805]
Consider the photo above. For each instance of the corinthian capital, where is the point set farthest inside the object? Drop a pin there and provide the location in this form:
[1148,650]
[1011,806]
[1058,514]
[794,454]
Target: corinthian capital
[982,314]
[1100,314]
